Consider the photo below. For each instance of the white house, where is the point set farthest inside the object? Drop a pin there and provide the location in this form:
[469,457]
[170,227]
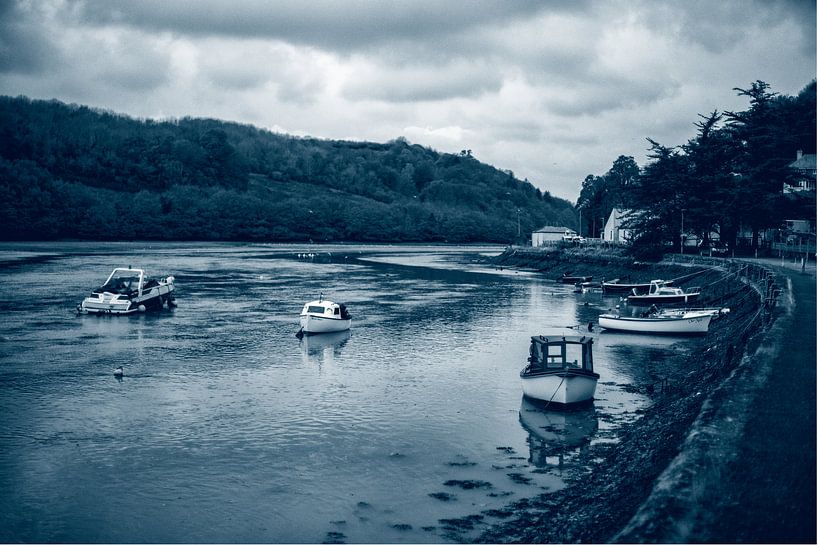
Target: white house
[806,167]
[549,233]
[613,232]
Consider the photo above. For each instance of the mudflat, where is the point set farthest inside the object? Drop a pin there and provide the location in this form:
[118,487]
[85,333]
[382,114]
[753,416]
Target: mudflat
[726,454]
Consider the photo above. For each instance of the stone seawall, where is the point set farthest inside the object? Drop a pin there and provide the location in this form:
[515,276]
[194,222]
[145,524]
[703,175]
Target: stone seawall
[606,503]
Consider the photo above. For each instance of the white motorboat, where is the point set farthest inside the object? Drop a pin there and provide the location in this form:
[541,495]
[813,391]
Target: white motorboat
[560,370]
[324,317]
[673,323]
[616,286]
[127,291]
[662,293]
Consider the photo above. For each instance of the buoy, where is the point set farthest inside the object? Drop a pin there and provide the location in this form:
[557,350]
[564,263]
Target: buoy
[118,372]
[142,308]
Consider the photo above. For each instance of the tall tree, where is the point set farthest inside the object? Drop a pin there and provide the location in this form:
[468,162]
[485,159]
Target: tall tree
[762,158]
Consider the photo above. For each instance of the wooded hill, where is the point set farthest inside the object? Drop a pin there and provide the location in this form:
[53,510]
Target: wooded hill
[72,172]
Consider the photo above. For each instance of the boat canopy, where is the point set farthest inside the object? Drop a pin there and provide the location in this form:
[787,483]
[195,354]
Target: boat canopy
[123,281]
[561,352]
[322,307]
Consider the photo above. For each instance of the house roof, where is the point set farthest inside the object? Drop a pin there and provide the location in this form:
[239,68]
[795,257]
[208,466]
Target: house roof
[806,162]
[553,229]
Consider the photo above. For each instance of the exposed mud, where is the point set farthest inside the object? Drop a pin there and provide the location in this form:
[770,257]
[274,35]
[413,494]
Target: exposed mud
[597,504]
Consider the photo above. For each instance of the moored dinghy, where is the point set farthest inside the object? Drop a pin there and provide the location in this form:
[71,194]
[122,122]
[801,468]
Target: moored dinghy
[567,278]
[560,370]
[687,323]
[323,316]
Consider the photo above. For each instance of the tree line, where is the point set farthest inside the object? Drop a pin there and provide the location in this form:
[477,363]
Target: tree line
[73,172]
[728,178]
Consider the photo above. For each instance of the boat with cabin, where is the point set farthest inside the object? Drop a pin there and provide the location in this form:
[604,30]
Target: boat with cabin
[560,370]
[323,316]
[662,293]
[127,291]
[616,286]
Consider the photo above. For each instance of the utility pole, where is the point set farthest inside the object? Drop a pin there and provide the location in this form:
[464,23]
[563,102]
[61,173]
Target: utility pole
[682,230]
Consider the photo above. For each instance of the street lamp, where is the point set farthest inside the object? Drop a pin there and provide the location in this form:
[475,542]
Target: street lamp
[518,224]
[580,221]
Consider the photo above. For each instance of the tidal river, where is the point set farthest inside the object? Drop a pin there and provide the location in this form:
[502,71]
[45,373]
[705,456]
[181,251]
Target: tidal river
[227,428]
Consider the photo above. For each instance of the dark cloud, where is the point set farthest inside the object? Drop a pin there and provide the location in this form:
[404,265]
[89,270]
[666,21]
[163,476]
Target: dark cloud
[25,47]
[718,26]
[346,25]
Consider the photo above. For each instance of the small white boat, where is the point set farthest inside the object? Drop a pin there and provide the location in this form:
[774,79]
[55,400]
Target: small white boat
[661,293]
[672,322]
[560,370]
[324,317]
[616,286]
[127,291]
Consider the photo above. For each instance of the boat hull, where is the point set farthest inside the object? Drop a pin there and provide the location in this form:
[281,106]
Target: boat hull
[560,387]
[113,303]
[690,324]
[614,287]
[574,279]
[320,324]
[646,300]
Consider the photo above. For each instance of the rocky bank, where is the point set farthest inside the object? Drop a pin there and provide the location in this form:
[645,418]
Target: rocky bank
[596,505]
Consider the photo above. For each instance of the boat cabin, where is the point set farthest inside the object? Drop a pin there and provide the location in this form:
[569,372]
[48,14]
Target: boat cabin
[560,352]
[660,287]
[326,309]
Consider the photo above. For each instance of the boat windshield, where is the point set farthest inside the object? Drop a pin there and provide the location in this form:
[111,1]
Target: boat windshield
[315,309]
[122,281]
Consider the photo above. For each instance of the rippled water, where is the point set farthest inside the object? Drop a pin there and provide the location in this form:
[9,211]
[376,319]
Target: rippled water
[227,428]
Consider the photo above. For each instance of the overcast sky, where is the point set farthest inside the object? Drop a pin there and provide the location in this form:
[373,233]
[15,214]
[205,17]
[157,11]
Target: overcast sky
[553,90]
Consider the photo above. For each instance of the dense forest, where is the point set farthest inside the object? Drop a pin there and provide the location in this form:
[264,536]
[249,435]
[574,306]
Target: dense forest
[72,172]
[728,179]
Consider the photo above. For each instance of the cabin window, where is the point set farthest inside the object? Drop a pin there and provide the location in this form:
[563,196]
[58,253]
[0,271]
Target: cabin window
[555,355]
[337,311]
[315,309]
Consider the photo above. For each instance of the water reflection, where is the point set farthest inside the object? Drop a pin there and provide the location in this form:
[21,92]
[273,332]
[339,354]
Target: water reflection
[555,435]
[324,346]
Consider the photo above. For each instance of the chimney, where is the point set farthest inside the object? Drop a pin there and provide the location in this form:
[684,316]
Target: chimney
[799,154]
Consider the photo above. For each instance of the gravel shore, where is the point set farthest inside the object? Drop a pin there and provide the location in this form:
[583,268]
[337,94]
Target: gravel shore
[599,505]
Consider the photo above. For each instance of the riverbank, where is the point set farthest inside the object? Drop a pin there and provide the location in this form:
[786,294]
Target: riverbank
[644,488]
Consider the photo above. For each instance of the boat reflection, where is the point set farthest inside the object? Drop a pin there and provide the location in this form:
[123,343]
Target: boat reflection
[324,346]
[555,435]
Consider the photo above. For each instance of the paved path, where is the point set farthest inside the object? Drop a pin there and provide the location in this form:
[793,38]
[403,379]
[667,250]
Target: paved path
[746,472]
[771,486]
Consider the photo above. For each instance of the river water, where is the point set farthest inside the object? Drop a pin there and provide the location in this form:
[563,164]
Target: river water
[227,428]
